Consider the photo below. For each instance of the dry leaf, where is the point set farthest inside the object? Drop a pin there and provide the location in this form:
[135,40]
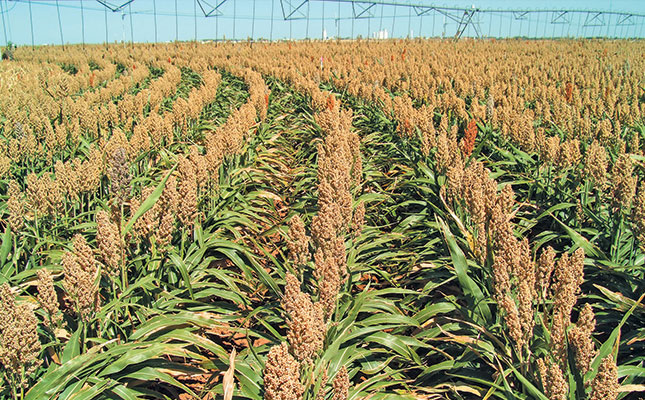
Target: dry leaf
[631,388]
[229,381]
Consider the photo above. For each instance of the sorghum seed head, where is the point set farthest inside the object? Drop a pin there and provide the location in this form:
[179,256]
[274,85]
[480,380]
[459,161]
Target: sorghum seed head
[80,271]
[47,297]
[299,241]
[581,341]
[111,245]
[306,325]
[282,375]
[605,385]
[553,381]
[19,344]
[340,385]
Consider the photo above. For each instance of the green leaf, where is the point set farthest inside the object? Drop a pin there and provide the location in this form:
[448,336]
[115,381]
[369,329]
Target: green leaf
[473,292]
[73,346]
[125,393]
[612,341]
[580,241]
[90,392]
[153,374]
[551,210]
[183,270]
[6,245]
[530,388]
[142,355]
[395,343]
[149,202]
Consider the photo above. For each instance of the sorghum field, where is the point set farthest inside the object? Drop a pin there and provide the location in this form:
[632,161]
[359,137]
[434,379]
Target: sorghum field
[323,220]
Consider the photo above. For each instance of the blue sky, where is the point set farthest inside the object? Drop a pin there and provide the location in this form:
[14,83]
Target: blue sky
[137,22]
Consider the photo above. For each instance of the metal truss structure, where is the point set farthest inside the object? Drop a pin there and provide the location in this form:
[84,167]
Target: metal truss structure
[457,21]
[213,9]
[471,17]
[114,7]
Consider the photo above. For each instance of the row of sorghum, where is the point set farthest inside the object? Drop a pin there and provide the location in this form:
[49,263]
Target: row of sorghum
[140,140]
[33,95]
[522,287]
[560,154]
[74,111]
[46,195]
[339,170]
[19,346]
[229,137]
[357,68]
[194,170]
[560,93]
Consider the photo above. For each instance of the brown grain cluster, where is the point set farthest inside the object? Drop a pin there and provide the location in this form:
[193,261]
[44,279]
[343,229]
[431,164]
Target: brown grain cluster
[282,375]
[340,384]
[15,207]
[67,176]
[336,159]
[187,192]
[358,218]
[605,385]
[81,271]
[545,266]
[476,190]
[119,175]
[553,381]
[19,344]
[305,323]
[567,278]
[43,194]
[638,216]
[111,246]
[623,183]
[165,211]
[580,338]
[298,243]
[48,298]
[596,163]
